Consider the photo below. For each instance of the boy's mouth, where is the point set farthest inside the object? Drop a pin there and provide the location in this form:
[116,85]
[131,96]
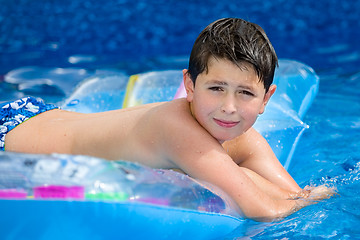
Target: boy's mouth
[224,123]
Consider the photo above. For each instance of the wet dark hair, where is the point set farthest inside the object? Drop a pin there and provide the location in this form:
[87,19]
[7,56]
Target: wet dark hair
[236,40]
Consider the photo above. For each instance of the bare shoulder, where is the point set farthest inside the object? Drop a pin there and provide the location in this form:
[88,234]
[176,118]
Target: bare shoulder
[248,145]
[185,141]
[177,118]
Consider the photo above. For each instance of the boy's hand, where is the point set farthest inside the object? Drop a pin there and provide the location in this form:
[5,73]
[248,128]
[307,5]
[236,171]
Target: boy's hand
[314,193]
[311,195]
[320,192]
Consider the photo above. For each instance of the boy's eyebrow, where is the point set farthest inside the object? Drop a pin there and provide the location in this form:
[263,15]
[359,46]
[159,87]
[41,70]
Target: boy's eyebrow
[223,83]
[217,82]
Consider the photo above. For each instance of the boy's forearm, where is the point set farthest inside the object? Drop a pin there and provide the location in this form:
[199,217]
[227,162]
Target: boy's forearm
[272,190]
[281,203]
[275,210]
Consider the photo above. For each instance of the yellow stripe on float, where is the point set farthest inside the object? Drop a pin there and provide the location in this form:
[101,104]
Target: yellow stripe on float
[129,89]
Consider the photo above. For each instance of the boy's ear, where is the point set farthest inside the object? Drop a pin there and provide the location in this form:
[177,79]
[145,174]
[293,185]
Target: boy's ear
[267,97]
[189,85]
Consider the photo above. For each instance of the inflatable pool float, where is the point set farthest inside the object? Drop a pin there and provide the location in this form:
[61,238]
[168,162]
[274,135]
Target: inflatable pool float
[79,197]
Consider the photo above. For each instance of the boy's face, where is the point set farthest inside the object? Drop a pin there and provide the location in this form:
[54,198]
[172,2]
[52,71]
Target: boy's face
[226,100]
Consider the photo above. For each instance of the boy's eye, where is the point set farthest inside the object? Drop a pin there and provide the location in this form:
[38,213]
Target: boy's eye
[245,92]
[216,88]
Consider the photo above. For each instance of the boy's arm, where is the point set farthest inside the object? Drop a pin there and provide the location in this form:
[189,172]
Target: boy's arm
[252,151]
[196,153]
[255,199]
[190,147]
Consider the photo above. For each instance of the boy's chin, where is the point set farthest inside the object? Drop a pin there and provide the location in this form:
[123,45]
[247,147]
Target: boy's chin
[222,140]
[228,138]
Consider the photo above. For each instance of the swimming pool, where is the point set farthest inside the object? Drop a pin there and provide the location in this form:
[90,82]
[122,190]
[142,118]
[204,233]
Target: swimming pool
[141,36]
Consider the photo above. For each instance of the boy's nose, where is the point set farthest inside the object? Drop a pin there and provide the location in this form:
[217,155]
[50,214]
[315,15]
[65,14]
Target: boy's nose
[229,105]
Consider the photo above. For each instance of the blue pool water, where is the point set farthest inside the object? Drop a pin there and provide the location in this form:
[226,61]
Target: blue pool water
[137,36]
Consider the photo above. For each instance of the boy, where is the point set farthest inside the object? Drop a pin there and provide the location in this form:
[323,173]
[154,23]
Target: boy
[208,134]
